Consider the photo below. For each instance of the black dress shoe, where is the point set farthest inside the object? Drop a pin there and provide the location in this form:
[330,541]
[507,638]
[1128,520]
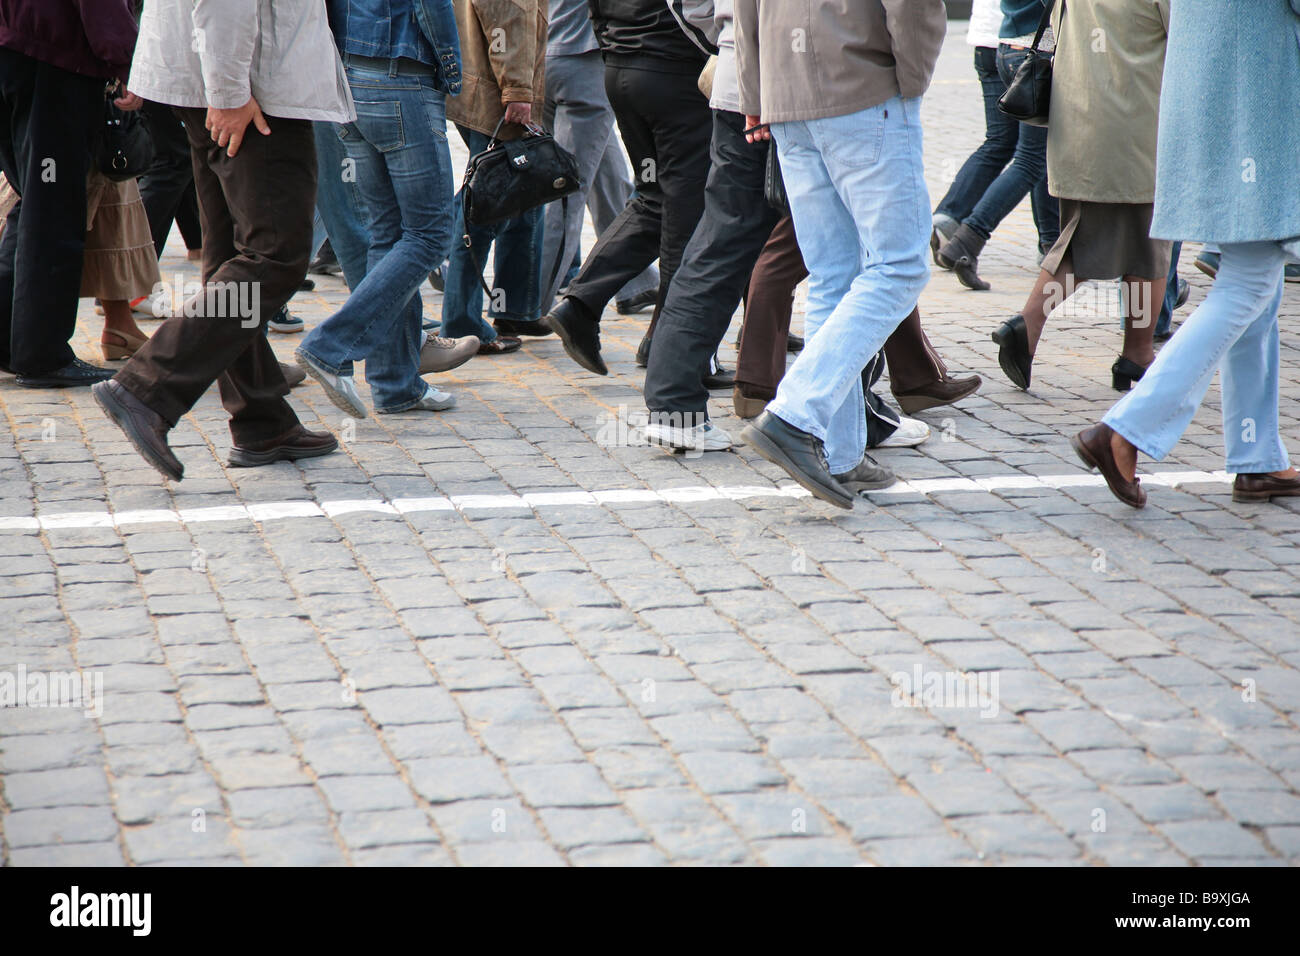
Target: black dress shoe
[517,327]
[1124,373]
[75,374]
[297,442]
[1264,487]
[800,454]
[579,333]
[643,350]
[793,343]
[307,285]
[717,376]
[1013,350]
[143,427]
[638,303]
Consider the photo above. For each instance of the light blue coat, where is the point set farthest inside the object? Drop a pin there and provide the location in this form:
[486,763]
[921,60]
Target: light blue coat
[1228,161]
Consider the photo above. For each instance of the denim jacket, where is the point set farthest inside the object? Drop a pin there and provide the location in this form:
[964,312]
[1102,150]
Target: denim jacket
[420,30]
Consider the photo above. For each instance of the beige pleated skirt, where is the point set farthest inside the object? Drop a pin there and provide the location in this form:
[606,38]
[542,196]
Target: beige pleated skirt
[120,259]
[1108,240]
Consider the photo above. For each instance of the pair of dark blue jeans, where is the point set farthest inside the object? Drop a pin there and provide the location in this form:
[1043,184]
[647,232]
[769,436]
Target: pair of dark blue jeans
[1010,163]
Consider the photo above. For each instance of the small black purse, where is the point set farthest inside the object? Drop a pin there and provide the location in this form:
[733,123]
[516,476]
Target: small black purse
[124,149]
[773,184]
[1029,94]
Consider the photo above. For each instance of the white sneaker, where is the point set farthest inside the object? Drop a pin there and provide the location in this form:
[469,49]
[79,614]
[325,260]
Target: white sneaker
[909,433]
[434,400]
[706,437]
[339,389]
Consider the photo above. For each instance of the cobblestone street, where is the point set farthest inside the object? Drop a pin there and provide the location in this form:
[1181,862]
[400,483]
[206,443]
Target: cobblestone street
[510,633]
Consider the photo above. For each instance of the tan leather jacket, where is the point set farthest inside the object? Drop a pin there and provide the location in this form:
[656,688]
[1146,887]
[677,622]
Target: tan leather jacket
[503,60]
[807,59]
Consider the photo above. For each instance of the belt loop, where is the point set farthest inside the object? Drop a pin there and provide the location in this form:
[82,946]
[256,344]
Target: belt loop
[392,67]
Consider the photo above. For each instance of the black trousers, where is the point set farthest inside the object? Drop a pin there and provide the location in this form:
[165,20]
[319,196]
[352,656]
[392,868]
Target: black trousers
[663,119]
[167,188]
[256,213]
[715,269]
[47,119]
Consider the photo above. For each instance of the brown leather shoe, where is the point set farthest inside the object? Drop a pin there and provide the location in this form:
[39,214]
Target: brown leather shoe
[292,374]
[296,443]
[144,428]
[1264,487]
[946,391]
[1092,445]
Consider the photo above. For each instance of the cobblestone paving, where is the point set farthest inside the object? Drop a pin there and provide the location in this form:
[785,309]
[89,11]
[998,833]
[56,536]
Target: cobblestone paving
[705,679]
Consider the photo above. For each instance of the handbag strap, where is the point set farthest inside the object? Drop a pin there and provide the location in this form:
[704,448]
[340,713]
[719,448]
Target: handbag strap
[1043,21]
[473,255]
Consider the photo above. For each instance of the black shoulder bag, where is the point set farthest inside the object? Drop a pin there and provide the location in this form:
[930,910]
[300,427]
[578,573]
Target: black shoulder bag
[124,149]
[1029,95]
[512,177]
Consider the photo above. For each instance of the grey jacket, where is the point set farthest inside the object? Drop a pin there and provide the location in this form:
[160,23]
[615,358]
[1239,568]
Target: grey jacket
[218,53]
[807,59]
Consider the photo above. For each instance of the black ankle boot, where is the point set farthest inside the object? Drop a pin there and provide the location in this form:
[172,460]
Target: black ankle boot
[961,254]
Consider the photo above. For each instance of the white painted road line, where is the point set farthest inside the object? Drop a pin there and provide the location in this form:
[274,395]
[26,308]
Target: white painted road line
[283,510]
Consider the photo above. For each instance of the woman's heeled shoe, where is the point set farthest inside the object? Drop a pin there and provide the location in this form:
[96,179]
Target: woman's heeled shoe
[1013,350]
[125,346]
[961,254]
[1124,373]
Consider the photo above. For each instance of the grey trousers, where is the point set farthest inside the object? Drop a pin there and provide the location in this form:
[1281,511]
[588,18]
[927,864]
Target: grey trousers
[581,120]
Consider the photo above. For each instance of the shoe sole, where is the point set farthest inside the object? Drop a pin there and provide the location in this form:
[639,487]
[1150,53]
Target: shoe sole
[287,329]
[436,407]
[118,415]
[569,350]
[1209,270]
[1245,497]
[340,401]
[772,452]
[1005,359]
[910,443]
[58,383]
[242,458]
[658,438]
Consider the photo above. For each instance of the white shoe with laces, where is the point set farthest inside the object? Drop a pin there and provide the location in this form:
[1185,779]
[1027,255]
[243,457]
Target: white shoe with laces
[706,437]
[909,433]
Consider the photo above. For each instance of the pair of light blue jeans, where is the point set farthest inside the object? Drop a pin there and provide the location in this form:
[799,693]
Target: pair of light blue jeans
[1234,330]
[399,160]
[862,216]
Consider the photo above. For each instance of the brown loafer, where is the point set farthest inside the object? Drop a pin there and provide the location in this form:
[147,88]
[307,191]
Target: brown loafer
[297,442]
[1264,487]
[500,345]
[144,428]
[1092,445]
[946,391]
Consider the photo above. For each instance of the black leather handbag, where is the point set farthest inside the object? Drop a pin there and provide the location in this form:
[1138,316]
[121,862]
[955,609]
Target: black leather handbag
[773,184]
[1029,95]
[124,149]
[512,177]
[509,178]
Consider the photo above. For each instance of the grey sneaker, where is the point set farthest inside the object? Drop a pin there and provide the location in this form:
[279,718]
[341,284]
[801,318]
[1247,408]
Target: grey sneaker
[434,400]
[339,389]
[867,476]
[439,354]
